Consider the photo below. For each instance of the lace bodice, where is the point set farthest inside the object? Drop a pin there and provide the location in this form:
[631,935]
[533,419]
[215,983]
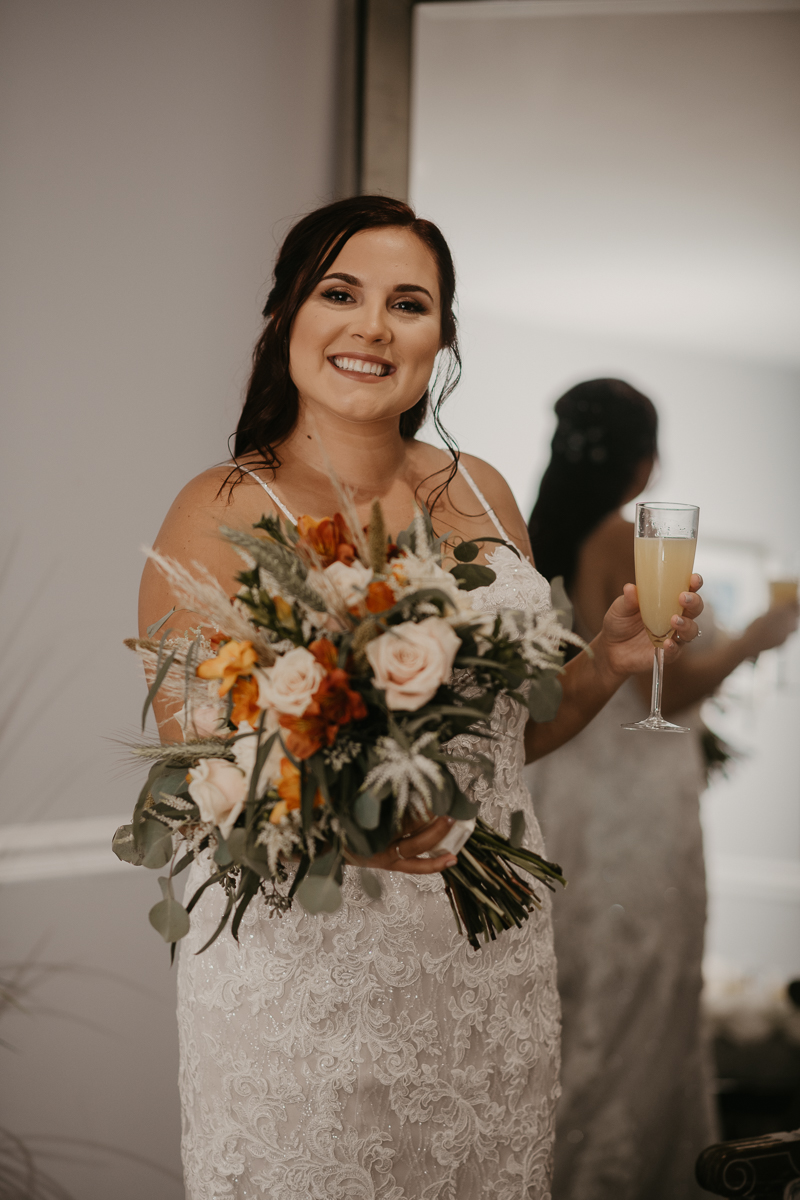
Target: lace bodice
[370,1053]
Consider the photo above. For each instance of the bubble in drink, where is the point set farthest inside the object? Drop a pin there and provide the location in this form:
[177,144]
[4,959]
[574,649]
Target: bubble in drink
[663,571]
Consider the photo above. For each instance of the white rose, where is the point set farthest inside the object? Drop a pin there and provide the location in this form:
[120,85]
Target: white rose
[411,661]
[244,750]
[219,790]
[350,582]
[291,683]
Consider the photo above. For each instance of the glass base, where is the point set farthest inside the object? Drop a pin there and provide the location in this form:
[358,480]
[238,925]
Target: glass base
[657,725]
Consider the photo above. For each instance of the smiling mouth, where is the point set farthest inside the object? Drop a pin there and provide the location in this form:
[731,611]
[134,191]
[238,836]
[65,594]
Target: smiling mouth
[362,366]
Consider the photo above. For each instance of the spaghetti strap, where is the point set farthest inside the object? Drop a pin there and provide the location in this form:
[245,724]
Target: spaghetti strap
[275,499]
[482,499]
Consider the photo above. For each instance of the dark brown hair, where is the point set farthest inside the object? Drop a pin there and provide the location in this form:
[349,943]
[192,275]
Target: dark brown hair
[605,429]
[271,403]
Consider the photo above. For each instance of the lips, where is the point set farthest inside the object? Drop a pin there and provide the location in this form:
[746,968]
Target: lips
[368,367]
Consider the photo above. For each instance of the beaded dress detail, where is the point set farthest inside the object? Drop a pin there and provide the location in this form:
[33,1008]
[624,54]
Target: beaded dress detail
[371,1054]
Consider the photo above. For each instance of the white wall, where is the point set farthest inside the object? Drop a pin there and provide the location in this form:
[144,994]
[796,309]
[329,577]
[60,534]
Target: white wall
[622,193]
[152,155]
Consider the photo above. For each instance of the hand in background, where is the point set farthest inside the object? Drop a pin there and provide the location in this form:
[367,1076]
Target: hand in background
[771,629]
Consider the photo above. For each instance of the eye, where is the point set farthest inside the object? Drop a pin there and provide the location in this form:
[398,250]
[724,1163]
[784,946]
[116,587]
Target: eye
[407,305]
[337,295]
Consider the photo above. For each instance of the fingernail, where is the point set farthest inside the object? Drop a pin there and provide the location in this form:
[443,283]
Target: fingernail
[450,821]
[451,862]
[679,621]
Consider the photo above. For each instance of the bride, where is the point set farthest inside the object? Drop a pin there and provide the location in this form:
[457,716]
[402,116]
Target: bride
[370,1053]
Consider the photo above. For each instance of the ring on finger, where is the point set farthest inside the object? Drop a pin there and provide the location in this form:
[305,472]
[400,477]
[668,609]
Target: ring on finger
[397,852]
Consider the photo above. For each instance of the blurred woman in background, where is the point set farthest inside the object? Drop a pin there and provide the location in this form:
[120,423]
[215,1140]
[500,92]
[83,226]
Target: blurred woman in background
[620,813]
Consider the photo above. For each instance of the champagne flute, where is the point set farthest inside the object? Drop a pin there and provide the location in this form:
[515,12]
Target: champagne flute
[665,538]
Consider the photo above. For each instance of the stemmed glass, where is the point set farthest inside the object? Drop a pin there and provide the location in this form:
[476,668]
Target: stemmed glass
[665,538]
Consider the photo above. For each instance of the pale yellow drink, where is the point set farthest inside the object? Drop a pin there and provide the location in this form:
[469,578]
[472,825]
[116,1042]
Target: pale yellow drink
[782,592]
[663,571]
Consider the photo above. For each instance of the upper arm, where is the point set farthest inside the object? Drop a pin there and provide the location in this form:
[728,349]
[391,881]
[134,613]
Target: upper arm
[501,499]
[190,534]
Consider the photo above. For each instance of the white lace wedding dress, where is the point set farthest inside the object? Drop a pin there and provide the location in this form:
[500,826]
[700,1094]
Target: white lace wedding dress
[370,1054]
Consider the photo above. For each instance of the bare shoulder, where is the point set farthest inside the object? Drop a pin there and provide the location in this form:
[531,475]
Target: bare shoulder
[501,498]
[203,503]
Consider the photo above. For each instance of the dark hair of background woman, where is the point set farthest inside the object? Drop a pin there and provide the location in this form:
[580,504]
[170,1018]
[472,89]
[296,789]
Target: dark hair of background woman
[271,404]
[605,429]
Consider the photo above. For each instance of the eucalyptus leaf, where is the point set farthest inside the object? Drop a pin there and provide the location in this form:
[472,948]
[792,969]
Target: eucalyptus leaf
[168,917]
[156,845]
[153,629]
[517,828]
[169,784]
[462,808]
[325,864]
[222,855]
[544,697]
[319,893]
[472,575]
[236,844]
[367,810]
[465,552]
[125,848]
[370,884]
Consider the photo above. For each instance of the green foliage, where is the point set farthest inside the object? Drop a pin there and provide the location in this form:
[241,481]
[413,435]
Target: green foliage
[465,552]
[168,917]
[472,575]
[370,884]
[517,828]
[544,697]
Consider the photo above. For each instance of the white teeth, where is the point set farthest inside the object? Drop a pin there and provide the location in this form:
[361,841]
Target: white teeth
[358,364]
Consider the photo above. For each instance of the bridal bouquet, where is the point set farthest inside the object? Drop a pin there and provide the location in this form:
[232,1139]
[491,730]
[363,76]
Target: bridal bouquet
[319,721]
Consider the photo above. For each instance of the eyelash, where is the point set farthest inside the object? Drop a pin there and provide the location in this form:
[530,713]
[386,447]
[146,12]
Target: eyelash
[332,293]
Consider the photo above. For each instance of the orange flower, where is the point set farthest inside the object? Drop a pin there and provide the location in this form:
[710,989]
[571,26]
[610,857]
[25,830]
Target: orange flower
[328,540]
[288,787]
[325,653]
[234,659]
[379,597]
[245,701]
[334,704]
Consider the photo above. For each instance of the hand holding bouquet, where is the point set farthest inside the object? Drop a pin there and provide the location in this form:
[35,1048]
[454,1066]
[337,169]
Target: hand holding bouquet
[320,721]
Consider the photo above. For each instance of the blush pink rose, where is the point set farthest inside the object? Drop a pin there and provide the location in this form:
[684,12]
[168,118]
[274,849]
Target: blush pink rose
[290,685]
[410,661]
[219,790]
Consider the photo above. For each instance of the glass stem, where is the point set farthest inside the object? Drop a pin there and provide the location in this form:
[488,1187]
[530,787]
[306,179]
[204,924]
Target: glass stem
[658,675]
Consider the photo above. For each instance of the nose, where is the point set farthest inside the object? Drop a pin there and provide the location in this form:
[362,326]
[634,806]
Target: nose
[371,323]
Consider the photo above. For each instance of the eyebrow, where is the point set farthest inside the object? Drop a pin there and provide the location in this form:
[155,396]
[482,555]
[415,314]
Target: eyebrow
[401,287]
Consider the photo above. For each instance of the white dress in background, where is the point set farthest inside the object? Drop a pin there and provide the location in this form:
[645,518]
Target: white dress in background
[370,1054]
[620,814]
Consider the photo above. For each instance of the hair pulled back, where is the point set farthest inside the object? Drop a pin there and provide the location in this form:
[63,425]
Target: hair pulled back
[270,409]
[605,429]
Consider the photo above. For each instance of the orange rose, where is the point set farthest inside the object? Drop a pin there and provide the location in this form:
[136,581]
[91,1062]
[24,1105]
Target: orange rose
[328,540]
[234,659]
[245,701]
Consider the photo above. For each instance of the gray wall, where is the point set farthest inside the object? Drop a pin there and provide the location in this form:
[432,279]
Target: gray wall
[152,155]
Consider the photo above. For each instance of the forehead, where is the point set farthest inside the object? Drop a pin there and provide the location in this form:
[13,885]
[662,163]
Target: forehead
[387,257]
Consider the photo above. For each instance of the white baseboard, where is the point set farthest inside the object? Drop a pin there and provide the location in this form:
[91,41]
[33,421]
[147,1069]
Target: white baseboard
[59,849]
[64,849]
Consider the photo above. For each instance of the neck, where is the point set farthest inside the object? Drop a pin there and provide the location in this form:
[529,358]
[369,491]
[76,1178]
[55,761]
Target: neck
[365,456]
